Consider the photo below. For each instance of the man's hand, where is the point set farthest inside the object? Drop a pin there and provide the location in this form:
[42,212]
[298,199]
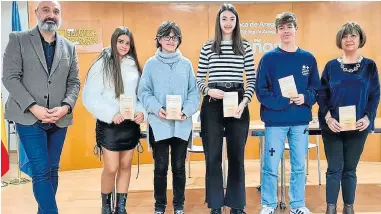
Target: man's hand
[41,113]
[298,100]
[57,113]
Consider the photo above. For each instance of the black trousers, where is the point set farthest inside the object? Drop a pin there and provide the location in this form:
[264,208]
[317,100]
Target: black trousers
[213,128]
[343,151]
[161,161]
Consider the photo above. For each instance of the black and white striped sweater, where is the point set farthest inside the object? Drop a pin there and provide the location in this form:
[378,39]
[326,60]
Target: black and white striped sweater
[226,67]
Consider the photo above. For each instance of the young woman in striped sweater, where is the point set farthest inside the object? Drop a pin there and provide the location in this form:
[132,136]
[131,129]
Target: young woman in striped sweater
[225,58]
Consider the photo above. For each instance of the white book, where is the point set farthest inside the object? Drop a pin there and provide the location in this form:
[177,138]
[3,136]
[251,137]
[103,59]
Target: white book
[173,107]
[347,118]
[127,107]
[288,86]
[230,103]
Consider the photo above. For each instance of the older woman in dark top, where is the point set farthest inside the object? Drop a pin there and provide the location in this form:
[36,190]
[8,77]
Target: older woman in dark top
[349,80]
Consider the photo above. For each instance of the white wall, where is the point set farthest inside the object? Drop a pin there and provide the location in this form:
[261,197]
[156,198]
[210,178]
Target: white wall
[6,28]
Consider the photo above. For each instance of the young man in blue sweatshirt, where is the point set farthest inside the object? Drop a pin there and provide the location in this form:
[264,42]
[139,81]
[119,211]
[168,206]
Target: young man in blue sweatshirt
[286,117]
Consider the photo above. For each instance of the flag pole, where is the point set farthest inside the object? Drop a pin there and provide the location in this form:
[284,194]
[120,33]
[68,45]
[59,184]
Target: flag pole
[3,183]
[16,26]
[19,180]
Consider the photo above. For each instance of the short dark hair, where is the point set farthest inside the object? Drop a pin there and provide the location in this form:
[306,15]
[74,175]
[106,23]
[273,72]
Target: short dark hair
[165,29]
[350,28]
[285,18]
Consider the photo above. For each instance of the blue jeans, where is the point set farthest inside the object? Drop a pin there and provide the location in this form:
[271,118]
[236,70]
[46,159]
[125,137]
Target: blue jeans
[273,151]
[43,144]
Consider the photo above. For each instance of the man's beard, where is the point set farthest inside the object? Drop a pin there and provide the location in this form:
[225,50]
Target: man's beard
[49,24]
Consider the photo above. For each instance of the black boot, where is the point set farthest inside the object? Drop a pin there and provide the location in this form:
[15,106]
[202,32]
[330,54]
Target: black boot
[215,211]
[121,203]
[237,211]
[106,203]
[348,209]
[331,209]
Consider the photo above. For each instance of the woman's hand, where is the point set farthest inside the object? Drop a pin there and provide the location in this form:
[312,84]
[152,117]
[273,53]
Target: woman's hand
[216,93]
[139,118]
[363,123]
[118,119]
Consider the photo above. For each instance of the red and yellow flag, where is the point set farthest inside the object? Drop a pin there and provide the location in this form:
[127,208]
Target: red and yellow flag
[4,145]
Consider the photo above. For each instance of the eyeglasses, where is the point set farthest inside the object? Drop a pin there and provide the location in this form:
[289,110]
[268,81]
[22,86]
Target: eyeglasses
[174,38]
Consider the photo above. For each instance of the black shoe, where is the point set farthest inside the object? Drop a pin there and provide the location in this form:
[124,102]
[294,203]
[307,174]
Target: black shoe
[159,212]
[348,209]
[121,203]
[178,212]
[215,211]
[106,203]
[237,211]
[331,209]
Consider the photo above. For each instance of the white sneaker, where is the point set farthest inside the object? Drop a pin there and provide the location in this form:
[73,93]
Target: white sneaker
[301,210]
[267,210]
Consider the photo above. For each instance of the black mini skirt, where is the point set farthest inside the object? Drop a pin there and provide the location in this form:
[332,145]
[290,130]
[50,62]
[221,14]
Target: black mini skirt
[117,137]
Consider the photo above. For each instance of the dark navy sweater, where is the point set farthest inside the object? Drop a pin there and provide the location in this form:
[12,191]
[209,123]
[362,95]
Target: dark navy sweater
[360,88]
[276,110]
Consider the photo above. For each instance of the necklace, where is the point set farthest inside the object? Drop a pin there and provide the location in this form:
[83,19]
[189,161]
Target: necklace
[351,70]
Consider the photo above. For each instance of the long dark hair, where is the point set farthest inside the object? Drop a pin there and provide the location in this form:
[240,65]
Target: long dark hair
[111,62]
[238,48]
